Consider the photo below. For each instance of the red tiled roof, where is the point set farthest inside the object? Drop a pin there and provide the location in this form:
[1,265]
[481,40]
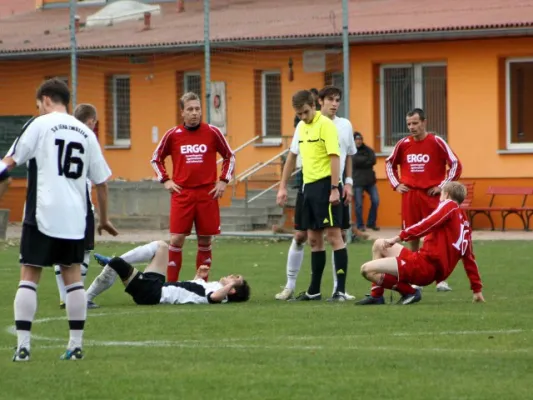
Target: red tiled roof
[273,20]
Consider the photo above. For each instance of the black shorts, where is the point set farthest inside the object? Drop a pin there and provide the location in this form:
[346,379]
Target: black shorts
[318,213]
[40,250]
[89,231]
[298,211]
[146,287]
[346,217]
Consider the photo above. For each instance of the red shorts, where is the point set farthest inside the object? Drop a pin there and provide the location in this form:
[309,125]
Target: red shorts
[417,205]
[414,269]
[194,206]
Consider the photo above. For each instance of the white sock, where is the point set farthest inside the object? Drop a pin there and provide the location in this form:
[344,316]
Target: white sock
[25,307]
[60,283]
[295,259]
[334,272]
[85,265]
[141,254]
[102,282]
[76,313]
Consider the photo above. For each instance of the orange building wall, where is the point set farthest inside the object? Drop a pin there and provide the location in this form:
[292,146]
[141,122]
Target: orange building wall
[476,114]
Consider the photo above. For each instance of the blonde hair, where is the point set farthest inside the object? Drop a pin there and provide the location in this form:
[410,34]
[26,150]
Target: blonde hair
[456,191]
[189,96]
[84,112]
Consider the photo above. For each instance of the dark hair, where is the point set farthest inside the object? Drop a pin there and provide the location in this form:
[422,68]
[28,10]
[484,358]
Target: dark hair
[242,293]
[357,134]
[56,89]
[85,112]
[314,91]
[418,111]
[329,91]
[302,98]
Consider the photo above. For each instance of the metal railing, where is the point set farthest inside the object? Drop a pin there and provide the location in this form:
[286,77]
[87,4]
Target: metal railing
[242,146]
[271,187]
[245,177]
[263,165]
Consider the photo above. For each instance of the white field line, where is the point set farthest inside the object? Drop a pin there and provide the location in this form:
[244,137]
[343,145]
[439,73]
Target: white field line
[240,343]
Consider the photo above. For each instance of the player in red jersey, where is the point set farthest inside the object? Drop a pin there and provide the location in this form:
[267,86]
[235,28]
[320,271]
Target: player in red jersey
[194,187]
[448,239]
[422,158]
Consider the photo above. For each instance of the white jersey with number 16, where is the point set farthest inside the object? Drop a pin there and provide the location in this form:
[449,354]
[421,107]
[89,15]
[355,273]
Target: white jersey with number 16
[62,153]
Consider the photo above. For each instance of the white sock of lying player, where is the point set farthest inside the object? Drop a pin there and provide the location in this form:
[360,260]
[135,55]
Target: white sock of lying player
[141,254]
[108,276]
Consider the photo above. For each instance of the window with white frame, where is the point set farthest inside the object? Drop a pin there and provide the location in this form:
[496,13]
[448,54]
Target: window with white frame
[519,77]
[271,104]
[407,86]
[192,82]
[120,93]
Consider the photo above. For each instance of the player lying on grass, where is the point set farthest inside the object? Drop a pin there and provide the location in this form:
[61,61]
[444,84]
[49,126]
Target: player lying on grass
[149,287]
[447,239]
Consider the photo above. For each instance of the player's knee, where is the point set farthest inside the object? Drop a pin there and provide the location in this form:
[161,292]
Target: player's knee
[300,237]
[162,245]
[204,241]
[177,240]
[365,269]
[377,246]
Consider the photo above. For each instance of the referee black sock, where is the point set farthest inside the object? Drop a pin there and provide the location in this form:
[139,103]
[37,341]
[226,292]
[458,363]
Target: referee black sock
[121,267]
[318,263]
[341,268]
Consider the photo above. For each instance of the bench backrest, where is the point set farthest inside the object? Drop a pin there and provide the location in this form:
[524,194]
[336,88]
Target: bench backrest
[510,191]
[469,194]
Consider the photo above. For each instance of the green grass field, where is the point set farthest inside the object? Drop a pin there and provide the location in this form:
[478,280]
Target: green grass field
[442,348]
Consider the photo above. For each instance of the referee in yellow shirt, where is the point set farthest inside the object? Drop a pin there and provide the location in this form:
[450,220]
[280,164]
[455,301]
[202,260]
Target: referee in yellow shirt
[318,145]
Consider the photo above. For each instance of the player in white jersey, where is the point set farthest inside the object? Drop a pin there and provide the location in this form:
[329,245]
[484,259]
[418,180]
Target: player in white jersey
[329,98]
[85,113]
[149,287]
[61,153]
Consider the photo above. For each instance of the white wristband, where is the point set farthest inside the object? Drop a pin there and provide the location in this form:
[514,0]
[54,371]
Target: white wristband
[349,181]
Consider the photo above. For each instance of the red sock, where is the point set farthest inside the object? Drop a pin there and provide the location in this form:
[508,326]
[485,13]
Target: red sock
[376,291]
[174,263]
[405,288]
[203,256]
[388,281]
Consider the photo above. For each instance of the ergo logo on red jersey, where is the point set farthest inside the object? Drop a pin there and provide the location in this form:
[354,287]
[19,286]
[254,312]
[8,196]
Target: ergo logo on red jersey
[417,158]
[193,148]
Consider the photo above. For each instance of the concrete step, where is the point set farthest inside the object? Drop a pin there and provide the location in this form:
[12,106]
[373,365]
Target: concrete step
[236,227]
[241,211]
[140,222]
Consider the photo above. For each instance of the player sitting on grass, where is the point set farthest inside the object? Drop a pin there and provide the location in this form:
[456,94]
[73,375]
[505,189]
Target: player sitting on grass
[149,287]
[447,239]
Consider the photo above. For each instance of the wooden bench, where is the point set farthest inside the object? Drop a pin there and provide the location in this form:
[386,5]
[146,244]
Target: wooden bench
[524,212]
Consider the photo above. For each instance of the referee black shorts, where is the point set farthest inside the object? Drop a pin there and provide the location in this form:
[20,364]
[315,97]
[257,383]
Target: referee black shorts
[318,213]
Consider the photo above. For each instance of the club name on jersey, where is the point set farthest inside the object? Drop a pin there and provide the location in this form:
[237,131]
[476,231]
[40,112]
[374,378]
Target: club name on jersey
[69,128]
[193,149]
[418,158]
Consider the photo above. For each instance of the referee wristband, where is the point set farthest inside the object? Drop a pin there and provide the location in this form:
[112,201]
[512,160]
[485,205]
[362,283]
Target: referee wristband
[349,181]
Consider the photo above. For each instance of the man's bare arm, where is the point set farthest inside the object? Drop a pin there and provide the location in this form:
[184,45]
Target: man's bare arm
[290,163]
